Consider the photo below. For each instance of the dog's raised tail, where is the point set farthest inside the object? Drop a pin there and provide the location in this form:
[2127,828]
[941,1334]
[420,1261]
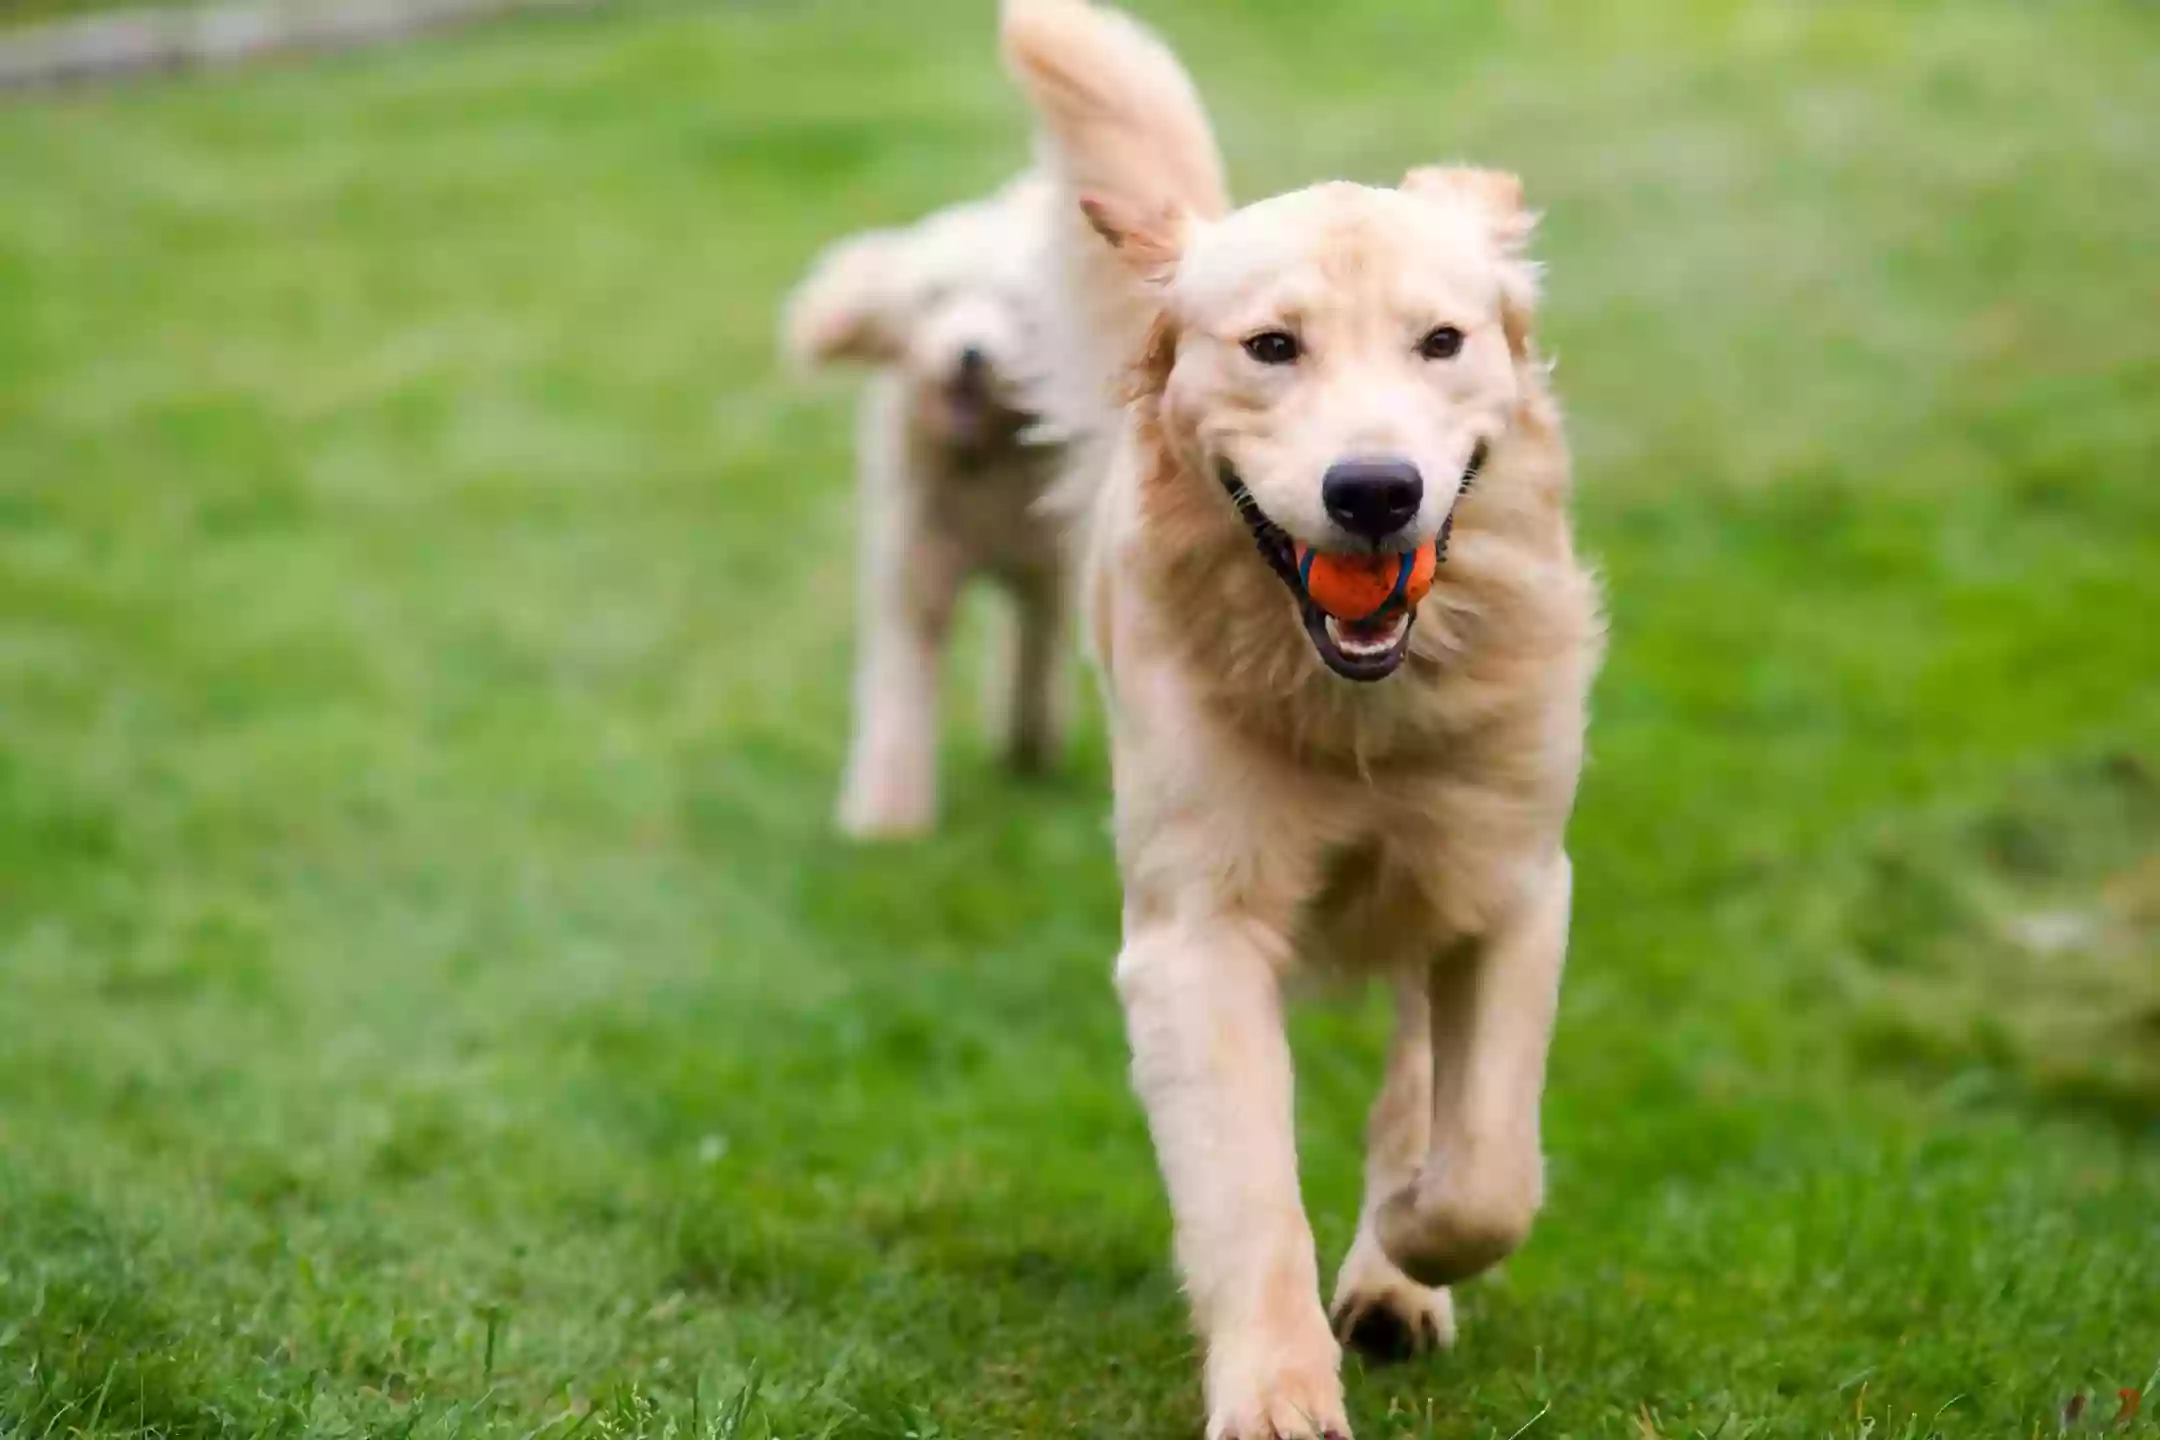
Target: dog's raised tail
[1119,114]
[1120,123]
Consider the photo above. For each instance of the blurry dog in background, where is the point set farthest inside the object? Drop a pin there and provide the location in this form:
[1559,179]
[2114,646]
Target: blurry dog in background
[951,472]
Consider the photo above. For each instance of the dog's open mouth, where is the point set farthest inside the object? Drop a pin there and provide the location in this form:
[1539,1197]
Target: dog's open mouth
[969,410]
[975,416]
[1362,650]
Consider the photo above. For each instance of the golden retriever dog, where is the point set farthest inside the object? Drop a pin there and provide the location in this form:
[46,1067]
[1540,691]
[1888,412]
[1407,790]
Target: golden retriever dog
[1388,798]
[951,470]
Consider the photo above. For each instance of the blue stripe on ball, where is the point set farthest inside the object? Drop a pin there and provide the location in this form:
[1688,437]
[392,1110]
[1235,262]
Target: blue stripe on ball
[1404,564]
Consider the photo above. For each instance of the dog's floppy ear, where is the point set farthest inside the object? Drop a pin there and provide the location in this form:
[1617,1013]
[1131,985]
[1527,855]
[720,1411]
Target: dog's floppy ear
[1497,195]
[1148,239]
[849,306]
[1496,198]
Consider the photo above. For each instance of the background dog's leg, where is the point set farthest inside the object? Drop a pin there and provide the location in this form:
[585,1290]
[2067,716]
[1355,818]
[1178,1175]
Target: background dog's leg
[908,596]
[1212,1065]
[1036,711]
[1492,1016]
[1377,1308]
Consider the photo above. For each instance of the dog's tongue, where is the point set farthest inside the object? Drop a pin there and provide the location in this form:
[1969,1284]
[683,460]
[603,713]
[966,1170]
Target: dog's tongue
[967,409]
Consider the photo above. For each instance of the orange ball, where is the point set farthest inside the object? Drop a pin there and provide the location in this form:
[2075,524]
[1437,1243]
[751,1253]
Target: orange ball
[1362,587]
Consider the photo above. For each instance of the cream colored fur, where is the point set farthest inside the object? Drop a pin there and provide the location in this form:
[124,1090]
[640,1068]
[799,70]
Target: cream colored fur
[1272,817]
[944,495]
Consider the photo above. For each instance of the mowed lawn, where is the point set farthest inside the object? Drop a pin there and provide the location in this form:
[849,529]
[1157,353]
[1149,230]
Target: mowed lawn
[432,1002]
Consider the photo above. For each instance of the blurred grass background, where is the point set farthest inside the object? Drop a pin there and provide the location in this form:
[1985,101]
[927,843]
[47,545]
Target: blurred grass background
[433,1003]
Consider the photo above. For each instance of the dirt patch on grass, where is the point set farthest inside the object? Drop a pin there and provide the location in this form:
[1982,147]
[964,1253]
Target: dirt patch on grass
[2021,943]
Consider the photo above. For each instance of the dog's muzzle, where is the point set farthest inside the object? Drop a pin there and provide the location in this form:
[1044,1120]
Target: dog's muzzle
[1371,653]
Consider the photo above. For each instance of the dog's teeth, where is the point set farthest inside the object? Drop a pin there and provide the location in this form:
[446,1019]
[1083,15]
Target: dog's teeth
[1370,643]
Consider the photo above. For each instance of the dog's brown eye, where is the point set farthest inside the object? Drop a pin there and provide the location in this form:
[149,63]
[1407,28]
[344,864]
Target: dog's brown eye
[1443,343]
[1272,347]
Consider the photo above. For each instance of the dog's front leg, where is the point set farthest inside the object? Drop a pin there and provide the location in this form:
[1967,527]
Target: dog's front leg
[1377,1308]
[1037,705]
[1493,1004]
[1212,1065]
[910,586]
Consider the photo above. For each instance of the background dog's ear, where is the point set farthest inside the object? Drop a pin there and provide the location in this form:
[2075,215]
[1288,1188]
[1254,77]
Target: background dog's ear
[1496,197]
[849,306]
[1148,240]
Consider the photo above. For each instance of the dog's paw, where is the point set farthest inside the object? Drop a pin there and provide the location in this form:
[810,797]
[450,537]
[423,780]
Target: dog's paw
[1031,756]
[869,813]
[1273,1392]
[1476,1215]
[1382,1313]
[883,827]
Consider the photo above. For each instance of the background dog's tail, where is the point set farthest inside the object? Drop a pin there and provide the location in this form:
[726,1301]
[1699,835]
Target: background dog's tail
[1120,118]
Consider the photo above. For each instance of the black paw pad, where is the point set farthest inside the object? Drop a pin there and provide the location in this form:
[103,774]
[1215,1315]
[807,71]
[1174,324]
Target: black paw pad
[1378,1333]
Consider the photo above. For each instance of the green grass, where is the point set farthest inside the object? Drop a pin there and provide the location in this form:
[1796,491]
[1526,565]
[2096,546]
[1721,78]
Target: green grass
[432,1001]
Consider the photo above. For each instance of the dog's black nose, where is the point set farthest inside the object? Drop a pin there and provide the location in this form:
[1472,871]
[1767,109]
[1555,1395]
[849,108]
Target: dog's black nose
[1372,497]
[973,363]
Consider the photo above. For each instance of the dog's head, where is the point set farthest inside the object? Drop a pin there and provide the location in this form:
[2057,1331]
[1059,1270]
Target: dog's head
[1340,360]
[949,303]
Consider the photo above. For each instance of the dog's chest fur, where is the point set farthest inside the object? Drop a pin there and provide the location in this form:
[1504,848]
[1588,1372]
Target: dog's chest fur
[986,501]
[1413,810]
[1439,862]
